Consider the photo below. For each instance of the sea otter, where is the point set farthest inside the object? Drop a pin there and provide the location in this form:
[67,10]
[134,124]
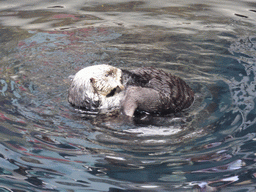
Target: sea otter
[144,89]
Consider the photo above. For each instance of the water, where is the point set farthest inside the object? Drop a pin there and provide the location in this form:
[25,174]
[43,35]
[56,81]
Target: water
[48,146]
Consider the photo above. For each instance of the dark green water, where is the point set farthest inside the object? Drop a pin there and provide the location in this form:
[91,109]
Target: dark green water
[45,145]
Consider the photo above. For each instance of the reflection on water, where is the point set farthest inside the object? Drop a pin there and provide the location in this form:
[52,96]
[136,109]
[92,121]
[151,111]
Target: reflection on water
[48,145]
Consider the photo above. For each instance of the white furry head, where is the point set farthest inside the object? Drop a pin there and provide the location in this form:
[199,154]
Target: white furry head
[97,86]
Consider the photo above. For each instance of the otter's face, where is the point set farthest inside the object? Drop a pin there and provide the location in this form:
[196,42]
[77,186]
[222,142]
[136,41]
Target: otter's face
[108,82]
[96,85]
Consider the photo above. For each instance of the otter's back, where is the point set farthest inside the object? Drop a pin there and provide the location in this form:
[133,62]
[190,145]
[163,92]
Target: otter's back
[175,94]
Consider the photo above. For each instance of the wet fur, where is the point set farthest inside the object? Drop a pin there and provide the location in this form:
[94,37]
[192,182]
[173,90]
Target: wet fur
[144,89]
[96,87]
[173,96]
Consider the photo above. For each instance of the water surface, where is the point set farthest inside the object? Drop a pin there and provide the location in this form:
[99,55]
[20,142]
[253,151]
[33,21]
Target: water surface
[46,145]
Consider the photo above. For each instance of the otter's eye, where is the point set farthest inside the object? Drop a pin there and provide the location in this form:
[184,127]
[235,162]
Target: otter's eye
[110,73]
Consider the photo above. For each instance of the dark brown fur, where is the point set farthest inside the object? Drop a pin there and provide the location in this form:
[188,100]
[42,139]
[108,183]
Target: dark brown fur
[174,94]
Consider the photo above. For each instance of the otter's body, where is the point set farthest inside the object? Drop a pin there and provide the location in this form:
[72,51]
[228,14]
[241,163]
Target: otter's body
[144,89]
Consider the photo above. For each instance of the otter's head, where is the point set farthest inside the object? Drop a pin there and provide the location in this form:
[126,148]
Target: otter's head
[96,86]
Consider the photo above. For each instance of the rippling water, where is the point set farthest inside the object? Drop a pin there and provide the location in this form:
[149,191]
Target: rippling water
[46,145]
